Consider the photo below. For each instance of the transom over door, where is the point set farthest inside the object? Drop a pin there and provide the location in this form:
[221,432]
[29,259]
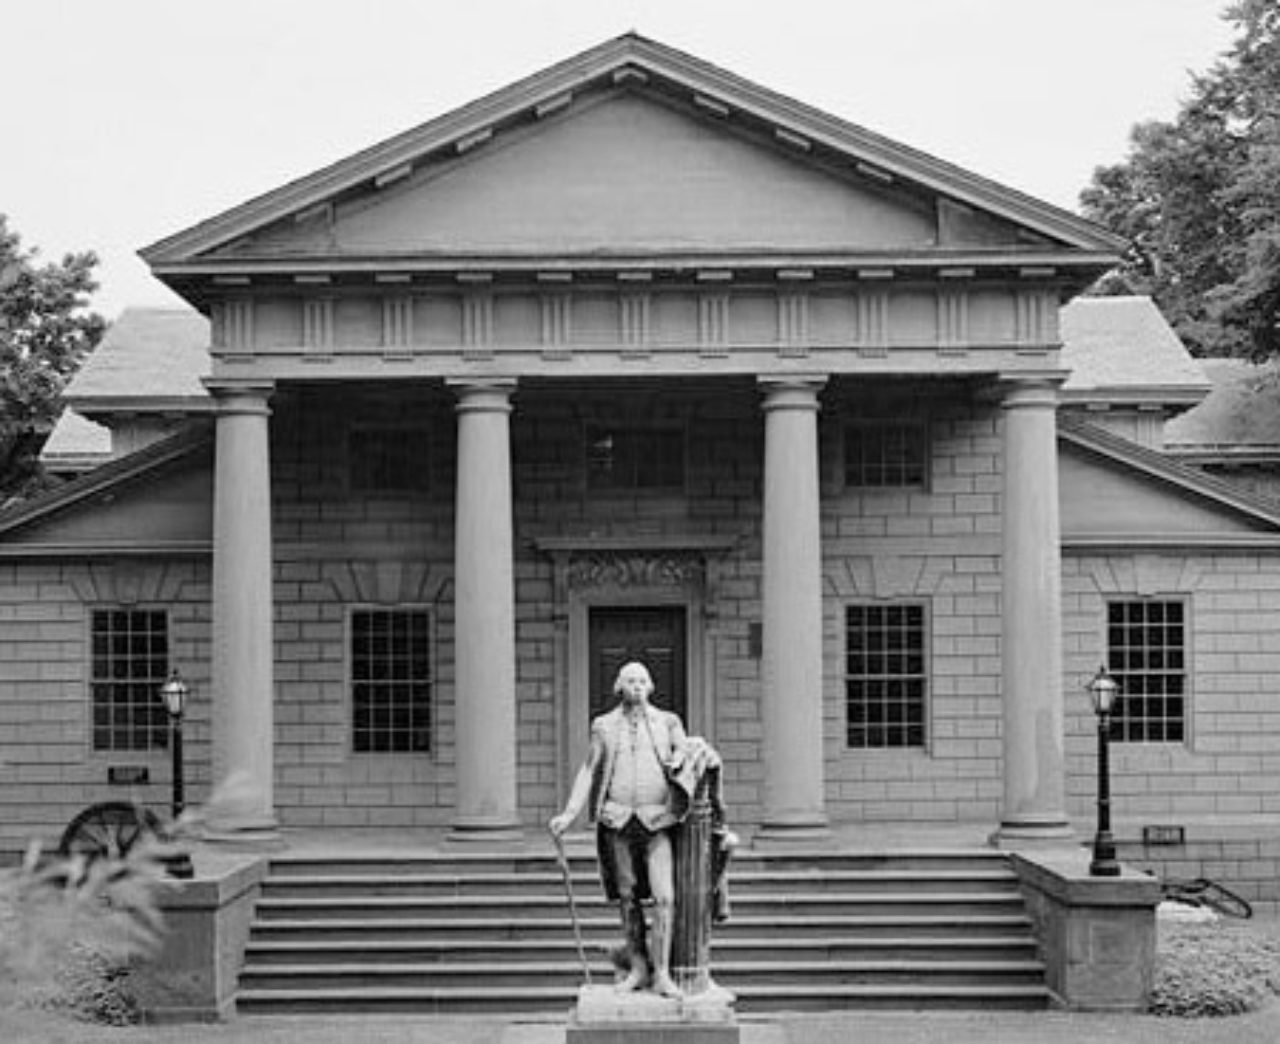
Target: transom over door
[652,634]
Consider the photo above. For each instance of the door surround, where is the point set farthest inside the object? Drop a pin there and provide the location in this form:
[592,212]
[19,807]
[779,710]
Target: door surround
[624,571]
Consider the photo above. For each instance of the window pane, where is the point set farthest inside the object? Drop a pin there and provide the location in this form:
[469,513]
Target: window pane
[885,454]
[129,664]
[885,688]
[1145,640]
[390,680]
[635,458]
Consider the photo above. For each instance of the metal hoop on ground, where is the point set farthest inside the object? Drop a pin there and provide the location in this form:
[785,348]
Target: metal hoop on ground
[1203,892]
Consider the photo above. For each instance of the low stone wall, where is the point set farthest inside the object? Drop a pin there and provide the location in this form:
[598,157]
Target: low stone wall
[1097,934]
[193,977]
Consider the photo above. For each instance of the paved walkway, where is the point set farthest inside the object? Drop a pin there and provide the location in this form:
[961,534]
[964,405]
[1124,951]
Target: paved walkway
[896,1028]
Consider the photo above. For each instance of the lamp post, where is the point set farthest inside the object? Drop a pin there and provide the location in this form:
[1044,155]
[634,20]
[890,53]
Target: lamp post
[1103,689]
[174,693]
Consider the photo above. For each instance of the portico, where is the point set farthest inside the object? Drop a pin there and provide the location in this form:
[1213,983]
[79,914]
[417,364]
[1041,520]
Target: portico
[634,335]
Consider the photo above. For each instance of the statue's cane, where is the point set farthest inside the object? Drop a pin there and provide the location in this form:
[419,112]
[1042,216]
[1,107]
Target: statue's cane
[563,860]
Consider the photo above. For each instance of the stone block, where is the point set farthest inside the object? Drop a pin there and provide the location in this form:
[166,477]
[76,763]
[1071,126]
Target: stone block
[651,1033]
[605,1017]
[193,978]
[1097,935]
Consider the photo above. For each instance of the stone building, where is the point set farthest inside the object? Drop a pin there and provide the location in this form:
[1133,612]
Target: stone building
[636,358]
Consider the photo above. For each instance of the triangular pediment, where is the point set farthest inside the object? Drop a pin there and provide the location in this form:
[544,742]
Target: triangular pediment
[623,176]
[634,148]
[158,499]
[1112,492]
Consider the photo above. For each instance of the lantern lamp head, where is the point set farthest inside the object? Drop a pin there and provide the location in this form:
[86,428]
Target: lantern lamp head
[174,693]
[1103,689]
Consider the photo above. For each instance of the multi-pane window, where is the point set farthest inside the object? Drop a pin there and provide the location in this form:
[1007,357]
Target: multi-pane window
[1146,654]
[635,458]
[391,680]
[885,679]
[885,453]
[130,662]
[388,460]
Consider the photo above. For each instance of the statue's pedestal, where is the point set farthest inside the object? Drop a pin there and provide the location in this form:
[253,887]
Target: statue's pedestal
[605,1017]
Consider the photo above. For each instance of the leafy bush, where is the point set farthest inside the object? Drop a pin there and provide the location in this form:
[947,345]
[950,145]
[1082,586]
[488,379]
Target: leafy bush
[1215,969]
[69,931]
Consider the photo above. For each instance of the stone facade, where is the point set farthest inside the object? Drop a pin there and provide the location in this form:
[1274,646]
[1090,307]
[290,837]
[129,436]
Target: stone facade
[637,242]
[49,770]
[1229,765]
[335,549]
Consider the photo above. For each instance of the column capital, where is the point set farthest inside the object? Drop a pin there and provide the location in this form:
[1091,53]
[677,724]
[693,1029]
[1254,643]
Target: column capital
[484,394]
[1031,391]
[791,391]
[239,395]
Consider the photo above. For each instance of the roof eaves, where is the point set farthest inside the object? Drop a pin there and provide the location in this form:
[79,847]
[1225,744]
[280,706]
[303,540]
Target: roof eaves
[1229,453]
[1149,395]
[417,262]
[168,405]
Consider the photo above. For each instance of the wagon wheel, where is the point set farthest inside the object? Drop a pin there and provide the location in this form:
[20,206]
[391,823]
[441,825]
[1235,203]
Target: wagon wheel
[108,830]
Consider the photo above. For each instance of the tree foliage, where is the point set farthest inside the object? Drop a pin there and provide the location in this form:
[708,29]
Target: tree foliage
[1199,199]
[46,330]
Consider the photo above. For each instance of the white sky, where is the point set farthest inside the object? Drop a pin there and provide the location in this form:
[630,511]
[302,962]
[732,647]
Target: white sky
[124,121]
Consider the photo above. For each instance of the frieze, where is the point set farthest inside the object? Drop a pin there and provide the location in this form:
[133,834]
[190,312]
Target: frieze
[704,328]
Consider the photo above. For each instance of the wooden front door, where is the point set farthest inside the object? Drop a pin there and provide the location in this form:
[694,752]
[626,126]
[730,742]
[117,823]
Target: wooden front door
[652,634]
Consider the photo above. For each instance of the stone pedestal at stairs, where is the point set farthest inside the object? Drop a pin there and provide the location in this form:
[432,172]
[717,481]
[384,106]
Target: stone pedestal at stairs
[603,1016]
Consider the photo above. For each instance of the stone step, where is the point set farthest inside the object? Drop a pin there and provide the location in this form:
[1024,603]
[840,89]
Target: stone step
[318,949]
[603,927]
[504,908]
[735,975]
[586,885]
[436,933]
[532,1000]
[582,860]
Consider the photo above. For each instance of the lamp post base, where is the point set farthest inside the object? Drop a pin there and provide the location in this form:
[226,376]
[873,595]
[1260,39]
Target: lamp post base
[1104,862]
[179,866]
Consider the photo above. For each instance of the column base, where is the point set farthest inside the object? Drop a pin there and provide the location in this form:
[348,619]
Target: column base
[797,832]
[1033,832]
[503,832]
[259,836]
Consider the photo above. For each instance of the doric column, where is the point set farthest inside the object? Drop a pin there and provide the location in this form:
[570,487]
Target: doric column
[794,799]
[484,617]
[1031,614]
[243,607]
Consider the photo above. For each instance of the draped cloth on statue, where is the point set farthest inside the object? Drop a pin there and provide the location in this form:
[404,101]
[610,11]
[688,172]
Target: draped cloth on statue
[702,845]
[695,767]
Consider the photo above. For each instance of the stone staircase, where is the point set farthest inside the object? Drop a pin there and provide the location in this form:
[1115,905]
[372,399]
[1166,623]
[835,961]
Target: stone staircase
[458,933]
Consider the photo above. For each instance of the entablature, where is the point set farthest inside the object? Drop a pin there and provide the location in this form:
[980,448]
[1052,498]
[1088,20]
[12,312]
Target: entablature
[952,318]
